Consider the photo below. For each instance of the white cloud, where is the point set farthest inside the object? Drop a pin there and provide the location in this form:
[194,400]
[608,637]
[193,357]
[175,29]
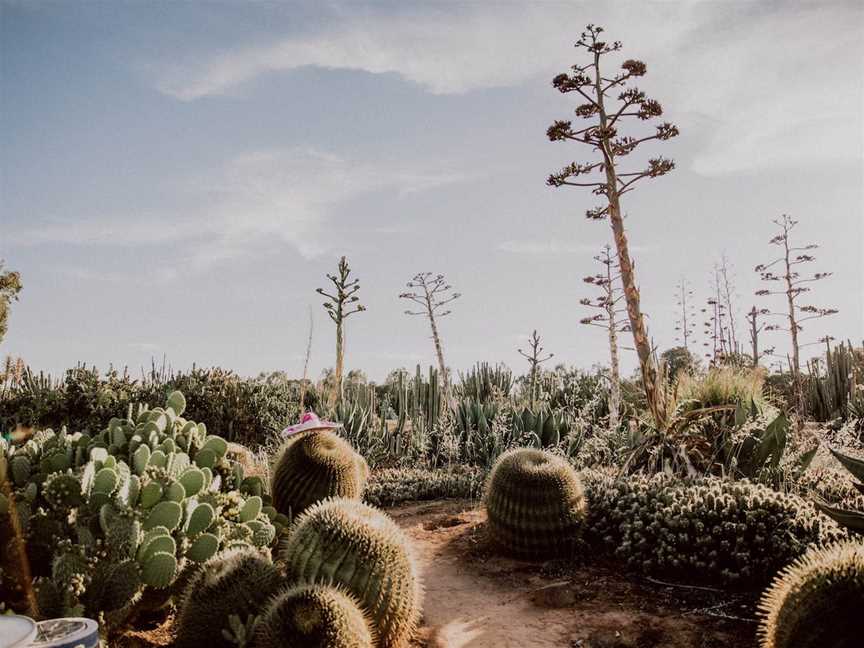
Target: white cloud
[776,85]
[255,199]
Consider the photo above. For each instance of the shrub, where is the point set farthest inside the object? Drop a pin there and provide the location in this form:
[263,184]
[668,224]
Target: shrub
[351,544]
[393,486]
[703,529]
[535,504]
[816,601]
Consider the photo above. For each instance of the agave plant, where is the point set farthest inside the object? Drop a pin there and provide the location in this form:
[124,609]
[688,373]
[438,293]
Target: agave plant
[850,518]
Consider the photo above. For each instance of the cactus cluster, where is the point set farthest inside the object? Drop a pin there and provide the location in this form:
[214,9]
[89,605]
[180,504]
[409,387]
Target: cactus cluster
[359,548]
[849,512]
[313,466]
[393,486]
[112,517]
[816,601]
[704,529]
[535,504]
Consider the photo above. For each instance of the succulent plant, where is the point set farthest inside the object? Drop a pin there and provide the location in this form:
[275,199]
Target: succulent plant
[851,518]
[393,486]
[535,504]
[353,545]
[238,581]
[314,466]
[312,616]
[705,529]
[816,601]
[124,514]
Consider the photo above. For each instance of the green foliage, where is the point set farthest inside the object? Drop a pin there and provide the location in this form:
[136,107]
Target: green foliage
[313,616]
[393,486]
[313,466]
[10,286]
[703,529]
[535,504]
[356,546]
[239,582]
[485,382]
[816,601]
[108,517]
[852,519]
[836,393]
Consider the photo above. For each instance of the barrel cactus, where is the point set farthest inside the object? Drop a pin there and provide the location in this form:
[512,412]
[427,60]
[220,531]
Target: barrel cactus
[816,601]
[313,616]
[314,466]
[359,548]
[535,504]
[238,581]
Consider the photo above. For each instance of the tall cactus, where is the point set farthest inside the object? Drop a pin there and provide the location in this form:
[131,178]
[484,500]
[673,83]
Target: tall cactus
[535,504]
[314,466]
[354,545]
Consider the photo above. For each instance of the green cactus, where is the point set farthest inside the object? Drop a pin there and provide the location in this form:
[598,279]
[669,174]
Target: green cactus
[312,616]
[314,466]
[852,519]
[351,544]
[233,582]
[816,601]
[535,504]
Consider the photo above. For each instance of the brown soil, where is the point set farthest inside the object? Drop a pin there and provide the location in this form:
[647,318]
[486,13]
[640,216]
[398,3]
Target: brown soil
[475,598]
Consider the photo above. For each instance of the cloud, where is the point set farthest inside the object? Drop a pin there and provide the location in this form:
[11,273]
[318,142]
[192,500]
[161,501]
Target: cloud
[253,200]
[771,84]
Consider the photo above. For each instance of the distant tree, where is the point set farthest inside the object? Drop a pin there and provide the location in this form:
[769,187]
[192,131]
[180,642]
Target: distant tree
[792,286]
[340,306]
[10,286]
[603,173]
[717,331]
[306,362]
[535,359]
[678,359]
[432,293]
[755,328]
[685,321]
[726,283]
[610,318]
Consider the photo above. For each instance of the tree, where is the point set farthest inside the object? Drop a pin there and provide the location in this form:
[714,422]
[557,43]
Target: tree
[685,321]
[678,359]
[535,359]
[340,307]
[432,293]
[10,286]
[602,174]
[793,286]
[609,319]
[755,328]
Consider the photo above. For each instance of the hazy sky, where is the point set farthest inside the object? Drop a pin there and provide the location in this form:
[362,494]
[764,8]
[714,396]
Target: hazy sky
[178,177]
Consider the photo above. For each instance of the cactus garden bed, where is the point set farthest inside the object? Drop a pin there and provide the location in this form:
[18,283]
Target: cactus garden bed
[478,599]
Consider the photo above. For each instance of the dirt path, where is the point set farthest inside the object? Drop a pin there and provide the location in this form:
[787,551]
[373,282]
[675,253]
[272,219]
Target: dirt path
[476,599]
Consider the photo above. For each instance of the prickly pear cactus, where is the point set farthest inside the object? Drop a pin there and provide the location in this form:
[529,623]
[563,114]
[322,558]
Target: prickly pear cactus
[353,545]
[313,616]
[816,601]
[238,582]
[129,511]
[535,504]
[314,466]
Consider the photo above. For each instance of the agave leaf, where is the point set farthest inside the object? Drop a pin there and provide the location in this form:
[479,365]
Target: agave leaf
[852,520]
[853,465]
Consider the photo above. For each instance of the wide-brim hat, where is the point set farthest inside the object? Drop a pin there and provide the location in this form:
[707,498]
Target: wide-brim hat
[310,421]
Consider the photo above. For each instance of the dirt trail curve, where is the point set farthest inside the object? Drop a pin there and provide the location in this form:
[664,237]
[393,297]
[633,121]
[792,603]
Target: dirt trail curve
[476,599]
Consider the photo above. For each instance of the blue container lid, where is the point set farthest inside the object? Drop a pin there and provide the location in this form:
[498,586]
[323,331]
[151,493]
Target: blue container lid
[16,631]
[67,633]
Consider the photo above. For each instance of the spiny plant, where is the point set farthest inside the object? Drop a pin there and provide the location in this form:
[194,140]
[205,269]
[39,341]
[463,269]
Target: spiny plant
[123,515]
[313,616]
[535,358]
[314,466]
[535,504]
[816,601]
[358,547]
[235,582]
[851,519]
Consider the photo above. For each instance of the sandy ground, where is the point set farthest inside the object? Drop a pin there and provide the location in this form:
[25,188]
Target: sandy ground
[476,598]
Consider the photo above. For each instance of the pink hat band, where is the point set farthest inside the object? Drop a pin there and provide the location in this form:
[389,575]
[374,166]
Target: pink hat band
[309,421]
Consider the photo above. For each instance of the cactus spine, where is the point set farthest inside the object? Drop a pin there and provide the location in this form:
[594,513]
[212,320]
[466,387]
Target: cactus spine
[816,601]
[314,466]
[535,504]
[313,616]
[354,545]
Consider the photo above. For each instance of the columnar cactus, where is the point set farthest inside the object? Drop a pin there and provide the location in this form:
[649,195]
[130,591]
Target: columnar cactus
[816,601]
[535,504]
[313,616]
[356,546]
[238,581]
[314,466]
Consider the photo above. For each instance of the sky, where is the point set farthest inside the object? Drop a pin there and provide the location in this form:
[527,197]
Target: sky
[177,178]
